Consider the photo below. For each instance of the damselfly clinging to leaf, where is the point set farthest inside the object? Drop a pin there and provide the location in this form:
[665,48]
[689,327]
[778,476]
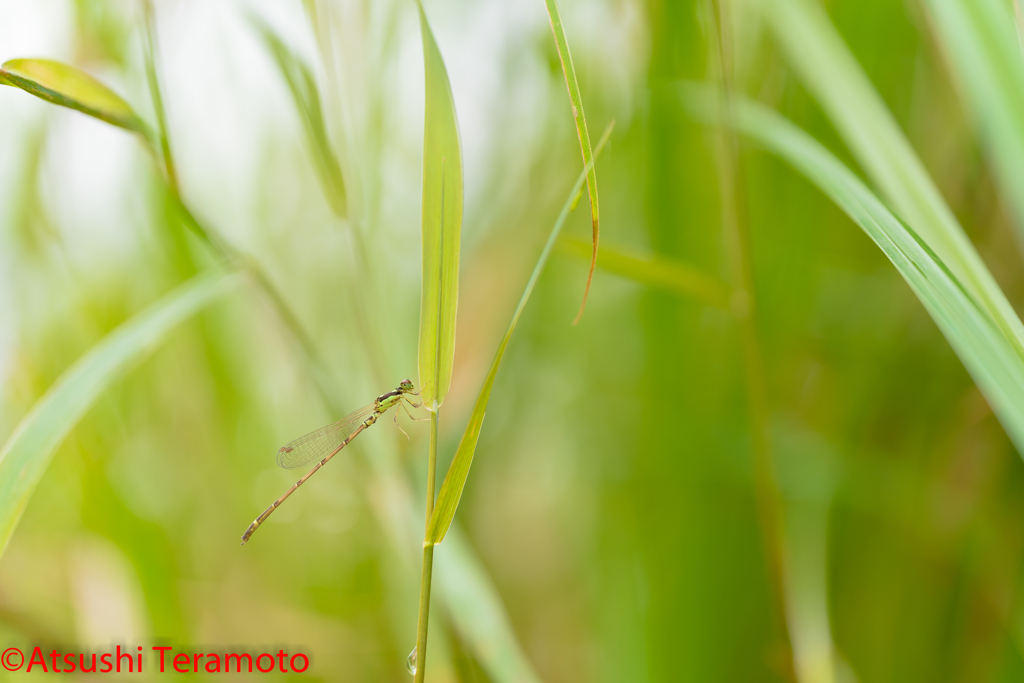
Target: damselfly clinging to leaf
[324,443]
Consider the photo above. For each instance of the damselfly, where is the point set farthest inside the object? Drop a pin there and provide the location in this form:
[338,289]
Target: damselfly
[324,443]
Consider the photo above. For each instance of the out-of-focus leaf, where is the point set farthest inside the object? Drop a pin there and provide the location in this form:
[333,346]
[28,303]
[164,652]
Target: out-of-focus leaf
[986,57]
[475,608]
[162,136]
[28,451]
[70,87]
[831,73]
[441,226]
[584,135]
[988,355]
[458,471]
[655,271]
[306,97]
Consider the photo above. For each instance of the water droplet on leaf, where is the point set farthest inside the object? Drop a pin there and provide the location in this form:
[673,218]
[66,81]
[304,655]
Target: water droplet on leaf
[410,663]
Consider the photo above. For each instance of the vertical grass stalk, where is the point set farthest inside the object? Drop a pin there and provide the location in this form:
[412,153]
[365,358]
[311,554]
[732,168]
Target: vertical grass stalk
[737,247]
[428,557]
[440,233]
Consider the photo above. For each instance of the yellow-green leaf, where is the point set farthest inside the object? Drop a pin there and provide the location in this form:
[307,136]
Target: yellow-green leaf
[655,271]
[28,451]
[70,87]
[581,130]
[441,226]
[458,471]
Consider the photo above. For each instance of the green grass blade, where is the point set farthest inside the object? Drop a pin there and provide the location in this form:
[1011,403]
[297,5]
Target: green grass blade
[985,53]
[476,610]
[581,129]
[28,451]
[306,97]
[441,225]
[831,73]
[657,272]
[162,134]
[458,471]
[73,88]
[989,357]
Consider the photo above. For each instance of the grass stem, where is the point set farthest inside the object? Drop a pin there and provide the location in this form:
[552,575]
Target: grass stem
[428,558]
[737,245]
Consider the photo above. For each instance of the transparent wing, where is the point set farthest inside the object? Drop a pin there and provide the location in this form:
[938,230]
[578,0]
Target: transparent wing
[319,444]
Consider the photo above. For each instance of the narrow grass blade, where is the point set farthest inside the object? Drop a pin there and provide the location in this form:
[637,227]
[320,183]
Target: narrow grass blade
[162,135]
[73,88]
[581,130]
[985,55]
[988,355]
[441,225]
[832,75]
[657,272]
[458,471]
[306,97]
[28,451]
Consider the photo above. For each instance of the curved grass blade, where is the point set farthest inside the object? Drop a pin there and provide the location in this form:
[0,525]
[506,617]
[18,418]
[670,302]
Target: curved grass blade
[458,471]
[441,225]
[831,73]
[656,271]
[988,355]
[28,451]
[584,135]
[306,97]
[67,86]
[985,55]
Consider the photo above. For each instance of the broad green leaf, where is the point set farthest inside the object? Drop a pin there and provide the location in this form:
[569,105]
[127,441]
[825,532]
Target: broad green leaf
[306,97]
[70,87]
[655,271]
[830,72]
[988,355]
[986,58]
[28,451]
[584,135]
[441,226]
[458,471]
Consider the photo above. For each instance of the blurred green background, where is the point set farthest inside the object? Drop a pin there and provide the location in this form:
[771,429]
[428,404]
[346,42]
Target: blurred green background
[611,506]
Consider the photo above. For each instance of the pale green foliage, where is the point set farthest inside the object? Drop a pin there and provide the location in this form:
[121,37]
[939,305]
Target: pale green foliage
[306,97]
[441,226]
[70,87]
[30,448]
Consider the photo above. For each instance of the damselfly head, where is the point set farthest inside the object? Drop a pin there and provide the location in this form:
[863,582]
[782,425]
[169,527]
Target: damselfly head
[406,386]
